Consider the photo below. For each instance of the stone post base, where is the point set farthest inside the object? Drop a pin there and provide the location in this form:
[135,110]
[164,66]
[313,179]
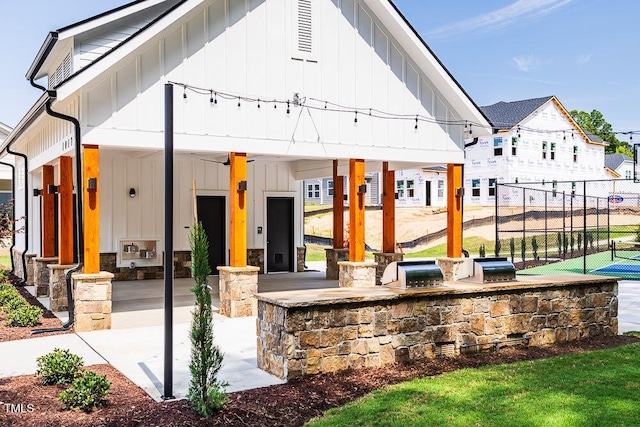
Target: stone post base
[334,256]
[255,258]
[302,253]
[41,275]
[357,274]
[384,259]
[454,268]
[92,299]
[29,260]
[58,287]
[238,289]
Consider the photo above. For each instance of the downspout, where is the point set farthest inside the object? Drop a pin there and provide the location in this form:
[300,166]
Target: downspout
[79,222]
[13,213]
[23,282]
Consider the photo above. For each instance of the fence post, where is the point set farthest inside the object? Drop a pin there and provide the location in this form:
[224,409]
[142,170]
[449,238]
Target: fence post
[496,218]
[608,221]
[564,225]
[584,230]
[524,223]
[597,224]
[573,194]
[546,253]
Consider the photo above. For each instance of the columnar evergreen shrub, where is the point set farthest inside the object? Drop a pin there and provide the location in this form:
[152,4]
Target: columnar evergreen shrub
[534,246]
[512,247]
[498,247]
[206,391]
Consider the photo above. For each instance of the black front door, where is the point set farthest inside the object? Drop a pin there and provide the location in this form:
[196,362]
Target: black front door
[211,213]
[427,195]
[279,234]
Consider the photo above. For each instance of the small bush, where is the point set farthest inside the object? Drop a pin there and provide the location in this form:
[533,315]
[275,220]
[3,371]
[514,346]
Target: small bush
[24,316]
[482,251]
[534,246]
[14,303]
[8,294]
[59,367]
[86,392]
[498,247]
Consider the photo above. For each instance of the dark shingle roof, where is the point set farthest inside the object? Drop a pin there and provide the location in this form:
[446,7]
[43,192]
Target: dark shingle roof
[505,115]
[594,138]
[613,161]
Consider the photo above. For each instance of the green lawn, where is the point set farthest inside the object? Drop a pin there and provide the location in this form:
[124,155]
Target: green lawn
[598,388]
[5,262]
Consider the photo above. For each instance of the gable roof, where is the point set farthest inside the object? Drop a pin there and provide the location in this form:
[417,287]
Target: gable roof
[613,161]
[505,115]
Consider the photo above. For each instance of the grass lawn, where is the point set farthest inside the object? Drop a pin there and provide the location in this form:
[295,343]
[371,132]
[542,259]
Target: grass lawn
[5,261]
[598,388]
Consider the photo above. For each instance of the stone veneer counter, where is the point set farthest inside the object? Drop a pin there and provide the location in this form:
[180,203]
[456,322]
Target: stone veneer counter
[326,330]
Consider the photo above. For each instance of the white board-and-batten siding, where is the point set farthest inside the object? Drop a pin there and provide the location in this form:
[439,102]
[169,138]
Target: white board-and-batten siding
[251,48]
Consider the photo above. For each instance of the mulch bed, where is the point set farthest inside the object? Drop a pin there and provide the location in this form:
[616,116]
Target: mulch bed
[290,404]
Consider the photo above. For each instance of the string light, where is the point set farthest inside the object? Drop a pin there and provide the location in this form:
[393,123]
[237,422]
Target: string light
[379,114]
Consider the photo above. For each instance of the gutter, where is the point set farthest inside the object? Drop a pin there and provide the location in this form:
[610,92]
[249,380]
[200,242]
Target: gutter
[13,213]
[23,282]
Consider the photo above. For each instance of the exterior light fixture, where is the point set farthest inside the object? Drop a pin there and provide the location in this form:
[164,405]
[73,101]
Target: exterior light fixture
[92,184]
[52,189]
[362,189]
[242,185]
[132,192]
[37,192]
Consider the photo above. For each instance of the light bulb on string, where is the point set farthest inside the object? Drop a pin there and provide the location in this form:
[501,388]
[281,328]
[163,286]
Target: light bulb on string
[211,97]
[258,102]
[238,102]
[518,132]
[355,120]
[416,127]
[184,92]
[288,107]
[275,105]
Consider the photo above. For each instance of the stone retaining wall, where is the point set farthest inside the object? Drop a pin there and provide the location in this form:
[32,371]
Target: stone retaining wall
[298,339]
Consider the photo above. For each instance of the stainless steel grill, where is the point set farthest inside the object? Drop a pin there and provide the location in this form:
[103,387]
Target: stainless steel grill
[492,270]
[412,274]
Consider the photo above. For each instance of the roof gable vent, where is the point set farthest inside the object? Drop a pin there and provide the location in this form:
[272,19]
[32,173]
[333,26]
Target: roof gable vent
[305,27]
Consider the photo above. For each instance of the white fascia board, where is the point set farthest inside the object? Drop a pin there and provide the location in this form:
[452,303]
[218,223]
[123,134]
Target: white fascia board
[104,20]
[154,140]
[428,63]
[96,69]
[5,129]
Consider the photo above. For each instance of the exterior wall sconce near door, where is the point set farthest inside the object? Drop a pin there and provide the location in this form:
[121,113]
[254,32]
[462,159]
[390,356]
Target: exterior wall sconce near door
[52,189]
[242,185]
[362,189]
[132,192]
[92,184]
[37,192]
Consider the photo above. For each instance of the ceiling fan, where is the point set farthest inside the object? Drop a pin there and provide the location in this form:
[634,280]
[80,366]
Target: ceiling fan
[225,163]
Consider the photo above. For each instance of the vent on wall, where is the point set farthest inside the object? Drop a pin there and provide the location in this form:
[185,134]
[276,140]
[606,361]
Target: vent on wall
[305,39]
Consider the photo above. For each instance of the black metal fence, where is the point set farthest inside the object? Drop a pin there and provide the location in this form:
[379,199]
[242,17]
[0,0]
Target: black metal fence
[540,223]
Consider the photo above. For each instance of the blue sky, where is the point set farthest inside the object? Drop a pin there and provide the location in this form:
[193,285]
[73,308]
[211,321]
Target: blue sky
[582,51]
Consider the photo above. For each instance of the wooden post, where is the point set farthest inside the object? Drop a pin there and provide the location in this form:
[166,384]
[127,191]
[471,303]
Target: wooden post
[48,214]
[338,208]
[388,209]
[454,210]
[91,164]
[238,210]
[356,210]
[65,215]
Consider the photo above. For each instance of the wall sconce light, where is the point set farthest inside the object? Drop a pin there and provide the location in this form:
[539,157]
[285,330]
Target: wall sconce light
[362,189]
[460,192]
[132,192]
[92,184]
[242,185]
[397,196]
[345,197]
[37,192]
[52,189]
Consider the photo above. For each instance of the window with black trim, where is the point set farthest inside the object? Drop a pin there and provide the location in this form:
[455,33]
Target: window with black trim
[497,146]
[514,146]
[575,153]
[330,187]
[544,149]
[492,187]
[553,151]
[475,187]
[410,188]
[440,188]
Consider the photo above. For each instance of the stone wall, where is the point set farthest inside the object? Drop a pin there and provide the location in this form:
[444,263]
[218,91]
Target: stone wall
[334,256]
[301,339]
[18,268]
[255,258]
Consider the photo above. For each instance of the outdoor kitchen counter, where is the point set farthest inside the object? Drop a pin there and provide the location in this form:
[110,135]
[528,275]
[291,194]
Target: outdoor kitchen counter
[326,330]
[315,297]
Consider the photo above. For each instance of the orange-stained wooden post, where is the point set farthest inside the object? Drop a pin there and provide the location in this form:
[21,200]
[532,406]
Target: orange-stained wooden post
[65,215]
[454,210]
[388,209]
[48,219]
[338,208]
[238,209]
[356,210]
[91,197]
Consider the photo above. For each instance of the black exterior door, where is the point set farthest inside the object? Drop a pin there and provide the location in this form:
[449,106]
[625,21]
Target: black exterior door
[211,213]
[279,234]
[427,195]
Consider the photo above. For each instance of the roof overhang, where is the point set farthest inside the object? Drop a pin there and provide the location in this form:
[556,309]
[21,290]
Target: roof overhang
[34,112]
[612,172]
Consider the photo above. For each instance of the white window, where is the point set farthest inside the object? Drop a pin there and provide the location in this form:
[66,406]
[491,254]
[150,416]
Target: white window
[553,151]
[492,187]
[410,189]
[475,187]
[440,189]
[514,146]
[627,174]
[400,189]
[497,146]
[309,191]
[575,154]
[330,187]
[544,149]
[316,192]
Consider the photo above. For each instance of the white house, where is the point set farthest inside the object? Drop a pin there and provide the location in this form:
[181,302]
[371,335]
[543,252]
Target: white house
[294,84]
[533,140]
[619,166]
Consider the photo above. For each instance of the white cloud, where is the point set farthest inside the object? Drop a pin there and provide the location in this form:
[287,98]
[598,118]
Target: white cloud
[516,13]
[583,59]
[527,63]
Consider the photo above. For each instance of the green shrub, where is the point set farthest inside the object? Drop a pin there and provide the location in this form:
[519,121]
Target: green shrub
[498,247]
[7,294]
[534,246]
[482,251]
[14,303]
[59,367]
[24,316]
[86,392]
[512,248]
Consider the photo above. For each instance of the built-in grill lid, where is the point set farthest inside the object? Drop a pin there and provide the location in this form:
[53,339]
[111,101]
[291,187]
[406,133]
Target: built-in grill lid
[491,270]
[412,274]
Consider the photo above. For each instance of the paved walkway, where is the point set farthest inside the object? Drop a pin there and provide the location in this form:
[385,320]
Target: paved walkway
[135,345]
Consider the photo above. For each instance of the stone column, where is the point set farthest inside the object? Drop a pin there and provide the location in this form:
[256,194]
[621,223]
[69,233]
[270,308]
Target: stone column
[29,260]
[301,252]
[255,258]
[238,289]
[384,259]
[357,274]
[454,268]
[41,274]
[58,287]
[334,256]
[92,298]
